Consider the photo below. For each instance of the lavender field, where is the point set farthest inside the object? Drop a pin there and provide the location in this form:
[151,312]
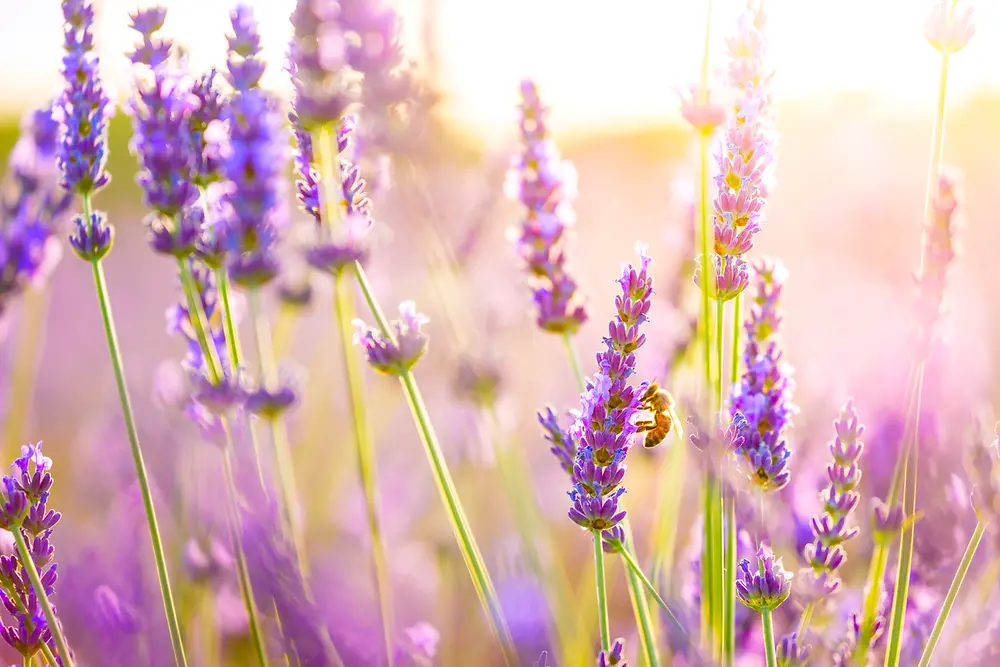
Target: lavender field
[297,369]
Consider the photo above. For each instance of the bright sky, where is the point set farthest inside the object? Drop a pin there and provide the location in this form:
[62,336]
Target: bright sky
[596,65]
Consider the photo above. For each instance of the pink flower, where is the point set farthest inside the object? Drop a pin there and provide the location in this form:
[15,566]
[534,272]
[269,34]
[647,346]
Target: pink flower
[949,26]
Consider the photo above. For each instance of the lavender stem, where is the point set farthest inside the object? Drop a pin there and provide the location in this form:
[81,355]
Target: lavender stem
[729,577]
[768,625]
[232,339]
[574,361]
[142,476]
[602,593]
[949,600]
[24,365]
[636,569]
[43,599]
[343,304]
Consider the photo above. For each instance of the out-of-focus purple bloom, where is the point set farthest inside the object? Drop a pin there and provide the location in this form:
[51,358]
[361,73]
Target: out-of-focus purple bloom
[763,584]
[563,441]
[791,653]
[940,248]
[950,26]
[317,62]
[604,426]
[984,465]
[25,495]
[206,563]
[841,656]
[32,207]
[243,63]
[114,615]
[825,553]
[763,396]
[546,185]
[478,379]
[85,106]
[270,402]
[700,111]
[419,646]
[614,656]
[208,111]
[398,355]
[886,521]
[161,114]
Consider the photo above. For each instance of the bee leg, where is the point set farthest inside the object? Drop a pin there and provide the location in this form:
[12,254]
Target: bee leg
[645,425]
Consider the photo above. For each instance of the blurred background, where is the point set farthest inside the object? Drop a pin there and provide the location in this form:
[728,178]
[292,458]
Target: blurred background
[854,88]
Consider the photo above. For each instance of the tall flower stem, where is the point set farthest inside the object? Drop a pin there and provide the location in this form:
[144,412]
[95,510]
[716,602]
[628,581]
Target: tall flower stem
[344,306]
[36,583]
[723,603]
[24,366]
[768,625]
[602,593]
[640,602]
[949,600]
[287,488]
[225,300]
[805,619]
[734,369]
[114,349]
[729,518]
[636,570]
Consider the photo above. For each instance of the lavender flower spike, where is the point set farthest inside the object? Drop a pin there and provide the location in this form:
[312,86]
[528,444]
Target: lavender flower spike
[764,584]
[763,396]
[396,355]
[604,427]
[940,249]
[825,554]
[615,657]
[25,514]
[546,185]
[84,105]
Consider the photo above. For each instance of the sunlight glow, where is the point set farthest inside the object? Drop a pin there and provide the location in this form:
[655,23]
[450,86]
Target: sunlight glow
[597,66]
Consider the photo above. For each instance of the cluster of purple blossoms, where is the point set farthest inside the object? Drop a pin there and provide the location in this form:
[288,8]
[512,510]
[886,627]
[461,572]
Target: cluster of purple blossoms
[940,248]
[825,554]
[32,207]
[85,106]
[763,396]
[546,185]
[841,656]
[613,657]
[398,354]
[763,584]
[25,495]
[745,156]
[604,427]
[790,653]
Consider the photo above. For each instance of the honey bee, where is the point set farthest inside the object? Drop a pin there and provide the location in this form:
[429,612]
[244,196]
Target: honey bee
[659,402]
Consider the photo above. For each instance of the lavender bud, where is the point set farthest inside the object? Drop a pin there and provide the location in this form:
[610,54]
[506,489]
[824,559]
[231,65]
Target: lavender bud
[399,354]
[791,653]
[113,614]
[613,657]
[765,584]
[178,240]
[886,522]
[614,540]
[93,238]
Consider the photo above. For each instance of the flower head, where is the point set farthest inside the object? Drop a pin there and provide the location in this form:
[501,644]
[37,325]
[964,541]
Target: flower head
[92,238]
[700,111]
[397,354]
[791,653]
[763,584]
[614,657]
[950,26]
[84,106]
[546,185]
[244,67]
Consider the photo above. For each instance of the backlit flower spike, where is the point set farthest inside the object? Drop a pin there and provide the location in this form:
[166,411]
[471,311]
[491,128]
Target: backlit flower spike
[325,87]
[940,250]
[84,106]
[763,584]
[399,354]
[546,186]
[950,25]
[244,67]
[614,657]
[604,427]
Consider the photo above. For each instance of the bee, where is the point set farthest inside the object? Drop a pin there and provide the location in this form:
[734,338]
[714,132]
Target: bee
[659,402]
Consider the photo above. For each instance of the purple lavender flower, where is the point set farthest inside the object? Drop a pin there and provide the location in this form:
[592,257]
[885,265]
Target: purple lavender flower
[886,521]
[24,509]
[613,657]
[395,356]
[791,653]
[546,185]
[318,66]
[564,444]
[419,646]
[763,396]
[825,554]
[243,63]
[207,111]
[940,248]
[604,427]
[84,105]
[32,207]
[763,584]
[92,238]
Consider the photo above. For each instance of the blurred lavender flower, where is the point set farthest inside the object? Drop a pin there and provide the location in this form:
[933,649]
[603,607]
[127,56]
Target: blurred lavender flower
[564,444]
[84,105]
[940,245]
[765,584]
[32,207]
[244,67]
[763,396]
[825,554]
[614,656]
[546,185]
[886,521]
[478,379]
[744,158]
[700,111]
[604,425]
[841,655]
[399,354]
[950,26]
[419,646]
[24,509]
[791,653]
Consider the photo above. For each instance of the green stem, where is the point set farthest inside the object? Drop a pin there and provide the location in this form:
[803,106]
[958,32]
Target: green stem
[737,328]
[142,476]
[718,563]
[449,495]
[805,619]
[232,337]
[344,306]
[719,345]
[729,509]
[949,600]
[602,592]
[24,368]
[636,569]
[706,278]
[36,583]
[574,361]
[287,488]
[243,575]
[707,599]
[765,616]
[640,606]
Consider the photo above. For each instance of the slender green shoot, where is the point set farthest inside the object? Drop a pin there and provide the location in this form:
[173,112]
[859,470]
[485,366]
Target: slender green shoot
[636,569]
[602,592]
[769,653]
